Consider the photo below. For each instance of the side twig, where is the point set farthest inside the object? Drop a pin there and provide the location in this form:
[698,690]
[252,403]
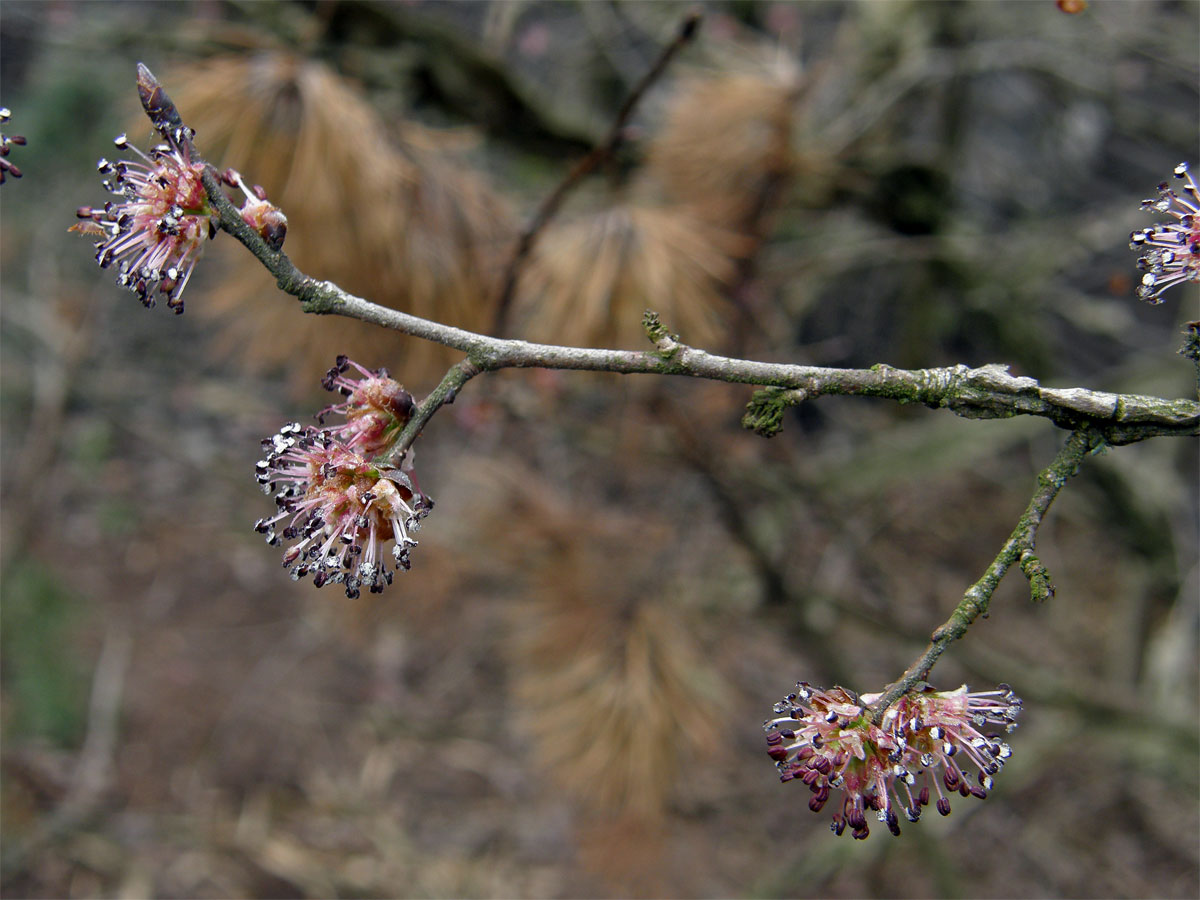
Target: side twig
[458,375]
[977,598]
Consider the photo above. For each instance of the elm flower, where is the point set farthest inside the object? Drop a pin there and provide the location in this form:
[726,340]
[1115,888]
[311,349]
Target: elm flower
[156,230]
[927,740]
[258,212]
[338,506]
[1172,249]
[6,143]
[376,407]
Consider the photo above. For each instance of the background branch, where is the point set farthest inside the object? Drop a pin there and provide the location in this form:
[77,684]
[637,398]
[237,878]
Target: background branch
[616,134]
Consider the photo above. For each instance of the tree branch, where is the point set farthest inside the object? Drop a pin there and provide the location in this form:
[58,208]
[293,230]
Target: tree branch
[987,392]
[1094,418]
[1020,543]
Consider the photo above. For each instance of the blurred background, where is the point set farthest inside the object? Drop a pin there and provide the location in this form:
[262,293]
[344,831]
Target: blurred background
[563,698]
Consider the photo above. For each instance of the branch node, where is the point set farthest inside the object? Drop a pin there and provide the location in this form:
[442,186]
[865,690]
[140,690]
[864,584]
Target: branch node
[318,297]
[1040,586]
[664,340]
[764,412]
[690,25]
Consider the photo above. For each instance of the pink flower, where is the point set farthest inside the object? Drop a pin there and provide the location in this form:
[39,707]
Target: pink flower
[376,407]
[6,144]
[337,506]
[827,740]
[1172,249]
[157,229]
[258,212]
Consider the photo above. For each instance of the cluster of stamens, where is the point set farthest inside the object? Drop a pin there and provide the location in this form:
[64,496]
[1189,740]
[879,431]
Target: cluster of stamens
[1171,249]
[156,229]
[829,741]
[7,143]
[335,501]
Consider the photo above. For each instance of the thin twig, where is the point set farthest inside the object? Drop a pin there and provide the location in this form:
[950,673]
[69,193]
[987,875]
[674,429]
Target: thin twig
[458,375]
[603,151]
[977,598]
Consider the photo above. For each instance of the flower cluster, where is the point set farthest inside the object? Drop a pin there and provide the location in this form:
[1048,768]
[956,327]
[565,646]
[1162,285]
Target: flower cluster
[156,230]
[6,143]
[1172,249]
[338,505]
[827,739]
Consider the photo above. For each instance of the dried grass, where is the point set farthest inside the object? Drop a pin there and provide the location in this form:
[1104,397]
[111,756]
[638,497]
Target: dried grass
[590,279]
[613,696]
[609,675]
[726,139]
[721,154]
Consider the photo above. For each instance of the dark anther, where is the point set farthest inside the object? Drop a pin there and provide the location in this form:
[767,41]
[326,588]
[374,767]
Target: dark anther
[892,823]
